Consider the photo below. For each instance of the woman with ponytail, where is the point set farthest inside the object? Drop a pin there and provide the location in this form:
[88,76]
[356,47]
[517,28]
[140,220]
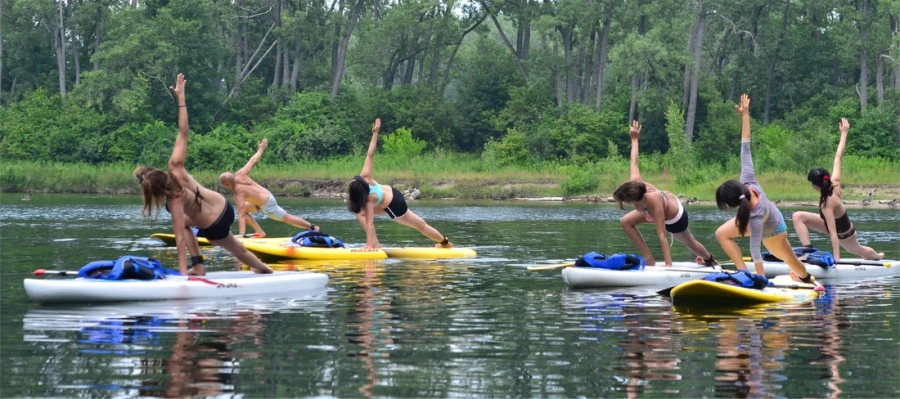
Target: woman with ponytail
[831,204]
[367,198]
[190,203]
[756,216]
[658,207]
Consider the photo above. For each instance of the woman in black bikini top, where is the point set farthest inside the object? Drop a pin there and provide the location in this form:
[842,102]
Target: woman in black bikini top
[208,210]
[831,204]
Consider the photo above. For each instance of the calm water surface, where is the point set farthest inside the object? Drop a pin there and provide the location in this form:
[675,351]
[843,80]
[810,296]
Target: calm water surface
[481,327]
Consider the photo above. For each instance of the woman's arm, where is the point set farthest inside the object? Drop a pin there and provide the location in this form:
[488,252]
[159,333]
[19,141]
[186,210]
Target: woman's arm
[367,221]
[843,127]
[748,174]
[373,145]
[635,132]
[177,209]
[756,228]
[179,153]
[828,212]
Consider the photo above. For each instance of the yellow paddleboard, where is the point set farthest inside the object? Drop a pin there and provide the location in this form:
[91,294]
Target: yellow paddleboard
[711,292]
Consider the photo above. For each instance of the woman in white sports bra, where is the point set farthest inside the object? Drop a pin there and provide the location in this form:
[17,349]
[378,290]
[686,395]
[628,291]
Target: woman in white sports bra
[367,198]
[654,206]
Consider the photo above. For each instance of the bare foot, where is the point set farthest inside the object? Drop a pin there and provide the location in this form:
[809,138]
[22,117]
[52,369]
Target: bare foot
[197,270]
[448,246]
[259,234]
[879,256]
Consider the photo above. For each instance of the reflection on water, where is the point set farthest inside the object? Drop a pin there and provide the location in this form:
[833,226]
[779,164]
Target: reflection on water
[482,327]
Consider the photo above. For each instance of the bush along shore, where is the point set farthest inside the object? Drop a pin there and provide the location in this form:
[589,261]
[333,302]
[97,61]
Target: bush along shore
[462,176]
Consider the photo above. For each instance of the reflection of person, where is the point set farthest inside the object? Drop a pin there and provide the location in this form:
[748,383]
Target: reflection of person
[747,349]
[369,330]
[190,203]
[251,197]
[205,368]
[831,204]
[367,198]
[659,207]
[649,356]
[756,215]
[829,319]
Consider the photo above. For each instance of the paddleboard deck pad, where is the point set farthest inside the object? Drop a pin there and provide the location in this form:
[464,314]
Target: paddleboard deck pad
[213,285]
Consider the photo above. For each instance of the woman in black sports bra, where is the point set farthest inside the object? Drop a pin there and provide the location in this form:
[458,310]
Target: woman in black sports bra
[831,205]
[190,203]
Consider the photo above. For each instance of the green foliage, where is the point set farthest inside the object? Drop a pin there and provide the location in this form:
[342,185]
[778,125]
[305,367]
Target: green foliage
[511,150]
[581,181]
[401,145]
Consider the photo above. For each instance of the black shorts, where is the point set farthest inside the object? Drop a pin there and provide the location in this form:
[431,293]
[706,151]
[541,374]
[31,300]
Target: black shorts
[680,225]
[398,206]
[222,227]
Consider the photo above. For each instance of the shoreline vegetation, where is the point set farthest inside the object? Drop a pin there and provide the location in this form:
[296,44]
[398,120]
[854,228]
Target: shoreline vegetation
[461,176]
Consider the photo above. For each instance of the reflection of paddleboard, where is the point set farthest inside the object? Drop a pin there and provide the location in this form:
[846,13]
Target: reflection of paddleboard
[710,292]
[213,285]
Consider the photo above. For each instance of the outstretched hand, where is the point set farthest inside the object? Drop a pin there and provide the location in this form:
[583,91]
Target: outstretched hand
[376,126]
[263,144]
[844,126]
[744,107]
[635,130]
[178,89]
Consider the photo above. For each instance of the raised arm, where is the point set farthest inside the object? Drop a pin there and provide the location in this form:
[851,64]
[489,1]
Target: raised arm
[748,175]
[843,127]
[245,171]
[635,131]
[367,166]
[179,153]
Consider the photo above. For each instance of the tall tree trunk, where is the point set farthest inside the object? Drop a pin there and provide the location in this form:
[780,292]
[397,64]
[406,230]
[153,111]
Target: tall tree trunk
[771,75]
[556,77]
[895,35]
[1,52]
[734,84]
[286,68]
[456,49]
[77,59]
[509,45]
[276,79]
[391,72]
[695,76]
[526,40]
[879,80]
[410,68]
[438,45]
[635,83]
[336,39]
[338,73]
[295,73]
[863,58]
[60,38]
[687,67]
[97,21]
[134,3]
[602,54]
[588,77]
[239,54]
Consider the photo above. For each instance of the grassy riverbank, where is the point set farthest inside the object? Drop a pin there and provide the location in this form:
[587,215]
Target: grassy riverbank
[449,175]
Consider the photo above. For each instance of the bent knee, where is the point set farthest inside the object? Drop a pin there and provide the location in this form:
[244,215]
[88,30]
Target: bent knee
[798,217]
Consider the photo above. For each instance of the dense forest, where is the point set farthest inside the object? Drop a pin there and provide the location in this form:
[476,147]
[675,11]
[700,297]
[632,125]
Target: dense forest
[517,82]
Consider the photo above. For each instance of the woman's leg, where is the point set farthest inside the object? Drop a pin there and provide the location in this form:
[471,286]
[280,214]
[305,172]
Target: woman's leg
[852,245]
[779,246]
[410,219]
[233,246]
[725,235]
[629,224]
[686,238]
[803,221]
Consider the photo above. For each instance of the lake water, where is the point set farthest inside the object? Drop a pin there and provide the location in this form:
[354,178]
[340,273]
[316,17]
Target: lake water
[483,327]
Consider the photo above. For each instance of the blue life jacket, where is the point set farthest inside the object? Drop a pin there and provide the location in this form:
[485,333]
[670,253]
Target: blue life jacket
[312,238]
[127,267]
[813,257]
[613,262]
[740,278]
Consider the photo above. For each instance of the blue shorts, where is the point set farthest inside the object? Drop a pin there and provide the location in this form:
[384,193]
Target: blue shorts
[782,228]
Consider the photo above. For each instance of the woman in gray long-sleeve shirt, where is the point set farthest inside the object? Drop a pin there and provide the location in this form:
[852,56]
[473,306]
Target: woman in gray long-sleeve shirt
[755,213]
